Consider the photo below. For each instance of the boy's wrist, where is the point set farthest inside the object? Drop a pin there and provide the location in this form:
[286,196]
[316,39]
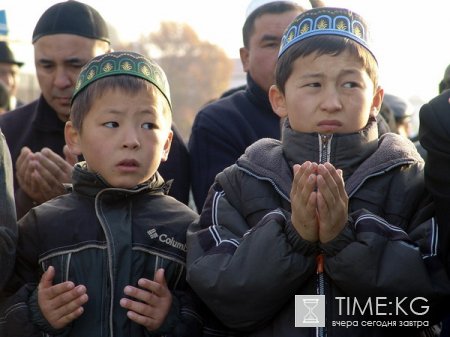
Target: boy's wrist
[342,240]
[301,245]
[37,317]
[172,319]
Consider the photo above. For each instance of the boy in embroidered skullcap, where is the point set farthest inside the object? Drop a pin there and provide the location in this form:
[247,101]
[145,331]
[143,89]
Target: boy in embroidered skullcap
[331,212]
[109,257]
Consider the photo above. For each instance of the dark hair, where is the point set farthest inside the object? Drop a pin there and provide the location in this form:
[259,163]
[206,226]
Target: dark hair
[83,102]
[276,7]
[323,45]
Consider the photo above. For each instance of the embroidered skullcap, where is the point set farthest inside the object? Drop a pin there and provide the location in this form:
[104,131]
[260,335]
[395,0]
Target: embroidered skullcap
[123,63]
[71,17]
[6,54]
[326,21]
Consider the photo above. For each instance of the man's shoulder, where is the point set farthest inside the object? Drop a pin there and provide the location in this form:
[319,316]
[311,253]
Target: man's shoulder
[441,101]
[436,111]
[229,104]
[17,116]
[223,111]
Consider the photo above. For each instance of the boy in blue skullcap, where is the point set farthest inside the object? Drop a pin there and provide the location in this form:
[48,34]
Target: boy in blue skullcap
[332,211]
[109,257]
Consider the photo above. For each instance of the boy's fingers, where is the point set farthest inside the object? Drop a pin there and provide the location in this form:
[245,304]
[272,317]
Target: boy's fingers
[160,278]
[47,278]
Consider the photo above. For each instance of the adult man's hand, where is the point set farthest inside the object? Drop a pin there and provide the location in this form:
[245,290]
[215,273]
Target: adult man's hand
[41,175]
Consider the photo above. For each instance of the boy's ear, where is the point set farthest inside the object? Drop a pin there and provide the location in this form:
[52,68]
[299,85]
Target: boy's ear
[277,101]
[72,137]
[166,148]
[376,101]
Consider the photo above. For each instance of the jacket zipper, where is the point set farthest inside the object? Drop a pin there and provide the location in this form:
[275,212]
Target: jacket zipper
[324,156]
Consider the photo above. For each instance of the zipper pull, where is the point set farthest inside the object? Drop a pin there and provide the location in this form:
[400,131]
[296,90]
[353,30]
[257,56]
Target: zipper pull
[320,262]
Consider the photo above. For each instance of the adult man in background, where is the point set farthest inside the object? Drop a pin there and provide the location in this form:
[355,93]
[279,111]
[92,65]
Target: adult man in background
[9,74]
[434,136]
[223,129]
[66,37]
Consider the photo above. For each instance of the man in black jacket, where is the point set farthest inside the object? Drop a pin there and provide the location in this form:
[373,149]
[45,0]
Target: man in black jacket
[66,37]
[434,136]
[223,129]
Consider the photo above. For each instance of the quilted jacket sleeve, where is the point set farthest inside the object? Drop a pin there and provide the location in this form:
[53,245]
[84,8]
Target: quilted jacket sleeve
[245,272]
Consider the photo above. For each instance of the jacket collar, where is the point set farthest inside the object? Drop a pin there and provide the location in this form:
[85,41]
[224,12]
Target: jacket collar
[359,155]
[344,151]
[90,184]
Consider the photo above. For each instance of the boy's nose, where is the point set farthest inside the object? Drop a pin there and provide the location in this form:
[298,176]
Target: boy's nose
[331,101]
[131,140]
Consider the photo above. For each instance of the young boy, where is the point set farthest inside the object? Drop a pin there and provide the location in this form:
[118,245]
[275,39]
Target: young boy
[330,210]
[113,250]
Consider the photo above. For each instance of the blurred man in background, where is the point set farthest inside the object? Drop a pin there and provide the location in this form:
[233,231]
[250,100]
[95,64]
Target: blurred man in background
[9,74]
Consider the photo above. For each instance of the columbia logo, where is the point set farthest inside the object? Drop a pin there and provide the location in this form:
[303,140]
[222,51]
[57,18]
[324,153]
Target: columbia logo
[170,241]
[152,233]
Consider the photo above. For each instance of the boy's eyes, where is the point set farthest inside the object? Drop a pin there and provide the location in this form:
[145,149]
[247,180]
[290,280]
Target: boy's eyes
[350,85]
[111,124]
[345,85]
[148,126]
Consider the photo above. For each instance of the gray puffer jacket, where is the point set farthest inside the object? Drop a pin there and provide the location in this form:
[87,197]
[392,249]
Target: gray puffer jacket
[247,262]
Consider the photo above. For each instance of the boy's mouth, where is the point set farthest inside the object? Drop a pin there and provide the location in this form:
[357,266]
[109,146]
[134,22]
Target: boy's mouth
[329,125]
[128,163]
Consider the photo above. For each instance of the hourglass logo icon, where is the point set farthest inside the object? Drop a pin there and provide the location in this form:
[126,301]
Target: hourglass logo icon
[309,310]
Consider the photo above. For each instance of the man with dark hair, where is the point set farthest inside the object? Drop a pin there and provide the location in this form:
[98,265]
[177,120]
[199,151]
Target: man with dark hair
[434,137]
[65,38]
[224,128]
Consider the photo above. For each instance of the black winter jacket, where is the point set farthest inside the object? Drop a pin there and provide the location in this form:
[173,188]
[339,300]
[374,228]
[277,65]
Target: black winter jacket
[104,238]
[247,262]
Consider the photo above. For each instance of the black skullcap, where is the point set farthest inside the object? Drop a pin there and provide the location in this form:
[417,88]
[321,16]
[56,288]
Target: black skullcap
[71,17]
[6,54]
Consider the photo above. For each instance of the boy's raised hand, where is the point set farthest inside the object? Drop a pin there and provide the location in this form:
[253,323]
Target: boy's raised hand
[60,303]
[303,201]
[332,202]
[152,303]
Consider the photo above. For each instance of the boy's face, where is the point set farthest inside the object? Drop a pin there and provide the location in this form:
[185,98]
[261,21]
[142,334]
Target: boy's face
[124,137]
[327,94]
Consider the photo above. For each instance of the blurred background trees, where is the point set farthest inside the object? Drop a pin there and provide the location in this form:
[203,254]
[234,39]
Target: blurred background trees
[198,71]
